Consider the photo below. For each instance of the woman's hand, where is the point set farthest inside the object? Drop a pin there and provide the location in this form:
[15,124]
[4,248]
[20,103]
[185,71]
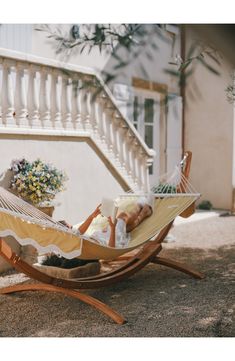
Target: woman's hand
[96,211]
[85,225]
[65,224]
[111,223]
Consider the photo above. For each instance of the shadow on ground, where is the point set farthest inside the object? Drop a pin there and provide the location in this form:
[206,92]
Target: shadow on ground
[157,302]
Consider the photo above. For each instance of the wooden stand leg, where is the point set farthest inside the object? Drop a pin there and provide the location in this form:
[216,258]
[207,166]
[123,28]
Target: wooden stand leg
[178,266]
[82,297]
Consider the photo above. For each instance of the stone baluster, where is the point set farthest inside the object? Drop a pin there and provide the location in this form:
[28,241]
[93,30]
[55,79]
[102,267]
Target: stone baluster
[56,90]
[67,102]
[89,109]
[86,104]
[109,130]
[93,114]
[128,146]
[21,112]
[83,95]
[8,94]
[100,120]
[33,97]
[116,128]
[45,98]
[134,163]
[142,165]
[146,173]
[139,159]
[121,144]
[76,104]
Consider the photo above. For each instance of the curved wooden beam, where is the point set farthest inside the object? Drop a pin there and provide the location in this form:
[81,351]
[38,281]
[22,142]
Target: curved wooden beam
[178,266]
[141,259]
[102,307]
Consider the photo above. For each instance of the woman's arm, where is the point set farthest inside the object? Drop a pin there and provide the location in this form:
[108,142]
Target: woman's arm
[85,225]
[136,218]
[111,242]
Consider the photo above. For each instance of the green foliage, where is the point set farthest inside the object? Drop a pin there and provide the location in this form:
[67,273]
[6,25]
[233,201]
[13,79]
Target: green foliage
[205,205]
[164,188]
[122,41]
[36,182]
[128,42]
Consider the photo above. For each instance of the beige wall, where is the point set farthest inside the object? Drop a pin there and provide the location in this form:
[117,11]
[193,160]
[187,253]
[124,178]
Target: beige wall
[45,47]
[89,178]
[209,134]
[154,68]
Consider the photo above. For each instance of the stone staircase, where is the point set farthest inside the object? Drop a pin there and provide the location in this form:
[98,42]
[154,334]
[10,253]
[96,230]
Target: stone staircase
[41,96]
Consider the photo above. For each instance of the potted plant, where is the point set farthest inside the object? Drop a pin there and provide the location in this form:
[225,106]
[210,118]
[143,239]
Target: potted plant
[37,182]
[164,188]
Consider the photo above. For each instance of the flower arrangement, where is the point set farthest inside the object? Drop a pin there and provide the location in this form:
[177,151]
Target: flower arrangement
[36,182]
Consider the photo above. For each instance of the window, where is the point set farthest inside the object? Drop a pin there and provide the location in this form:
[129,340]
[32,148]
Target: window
[146,119]
[148,124]
[135,112]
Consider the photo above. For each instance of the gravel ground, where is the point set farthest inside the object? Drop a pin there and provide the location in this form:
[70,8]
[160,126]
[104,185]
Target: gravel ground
[157,301]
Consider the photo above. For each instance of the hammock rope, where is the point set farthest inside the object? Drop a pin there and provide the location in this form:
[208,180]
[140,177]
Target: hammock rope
[31,226]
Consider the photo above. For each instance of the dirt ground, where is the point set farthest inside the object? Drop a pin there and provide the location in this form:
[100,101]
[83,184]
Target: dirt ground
[157,301]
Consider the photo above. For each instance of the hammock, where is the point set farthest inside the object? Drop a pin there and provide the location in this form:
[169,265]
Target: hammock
[30,226]
[175,196]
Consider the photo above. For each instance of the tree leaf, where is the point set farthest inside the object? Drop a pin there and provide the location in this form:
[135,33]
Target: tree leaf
[209,67]
[172,72]
[185,65]
[212,56]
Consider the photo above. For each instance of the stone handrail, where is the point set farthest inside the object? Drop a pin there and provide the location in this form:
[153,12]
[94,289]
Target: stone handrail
[46,96]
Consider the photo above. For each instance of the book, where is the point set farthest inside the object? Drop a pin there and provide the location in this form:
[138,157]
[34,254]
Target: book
[109,208]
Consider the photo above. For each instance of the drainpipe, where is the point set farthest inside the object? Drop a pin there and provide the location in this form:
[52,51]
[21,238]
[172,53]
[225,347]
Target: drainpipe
[233,159]
[182,86]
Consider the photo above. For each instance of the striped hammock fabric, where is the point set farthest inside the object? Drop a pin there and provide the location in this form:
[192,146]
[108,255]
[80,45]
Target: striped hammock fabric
[30,226]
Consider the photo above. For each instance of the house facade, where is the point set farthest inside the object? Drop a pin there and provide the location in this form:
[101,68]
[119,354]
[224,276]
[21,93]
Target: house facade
[209,128]
[130,135]
[122,141]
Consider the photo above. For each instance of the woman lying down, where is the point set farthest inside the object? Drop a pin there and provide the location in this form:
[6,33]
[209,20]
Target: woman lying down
[105,231]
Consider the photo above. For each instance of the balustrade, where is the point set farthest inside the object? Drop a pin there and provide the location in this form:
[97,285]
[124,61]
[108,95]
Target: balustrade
[41,97]
[56,89]
[21,112]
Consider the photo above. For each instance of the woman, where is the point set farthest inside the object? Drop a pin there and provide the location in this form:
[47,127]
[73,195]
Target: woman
[116,234]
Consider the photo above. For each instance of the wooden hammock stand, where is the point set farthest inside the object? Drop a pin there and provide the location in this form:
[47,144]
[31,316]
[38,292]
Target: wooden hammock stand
[132,264]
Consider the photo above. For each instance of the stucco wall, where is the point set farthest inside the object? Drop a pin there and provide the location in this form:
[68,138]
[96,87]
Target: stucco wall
[89,178]
[209,133]
[46,47]
[154,69]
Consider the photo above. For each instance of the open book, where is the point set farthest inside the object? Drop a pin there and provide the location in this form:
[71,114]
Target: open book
[109,208]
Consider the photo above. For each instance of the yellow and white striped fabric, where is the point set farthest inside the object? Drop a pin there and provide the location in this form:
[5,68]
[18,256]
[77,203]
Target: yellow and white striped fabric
[30,226]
